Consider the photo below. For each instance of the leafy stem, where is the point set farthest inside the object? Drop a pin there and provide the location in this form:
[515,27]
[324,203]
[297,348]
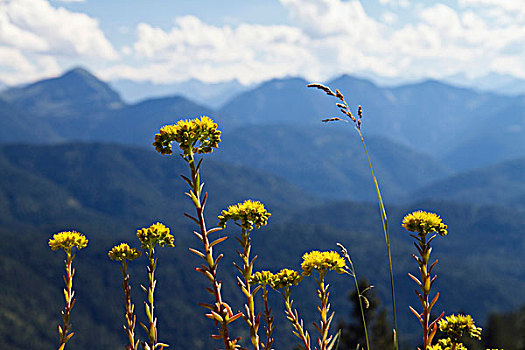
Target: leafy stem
[129,328]
[220,311]
[70,301]
[297,323]
[251,319]
[268,319]
[324,325]
[151,327]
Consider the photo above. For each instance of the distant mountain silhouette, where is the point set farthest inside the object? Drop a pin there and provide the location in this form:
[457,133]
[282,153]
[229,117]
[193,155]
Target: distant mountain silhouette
[463,128]
[18,126]
[498,136]
[278,101]
[501,184]
[212,95]
[137,124]
[329,160]
[79,106]
[70,104]
[75,92]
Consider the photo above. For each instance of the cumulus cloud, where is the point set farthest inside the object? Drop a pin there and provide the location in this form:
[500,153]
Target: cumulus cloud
[195,49]
[325,38]
[16,68]
[329,37]
[322,41]
[52,30]
[36,34]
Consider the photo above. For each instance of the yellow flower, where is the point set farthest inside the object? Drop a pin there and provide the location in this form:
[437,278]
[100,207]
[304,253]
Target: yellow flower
[285,278]
[446,344]
[454,326]
[67,240]
[423,223]
[123,252]
[248,213]
[322,262]
[155,234]
[193,136]
[262,277]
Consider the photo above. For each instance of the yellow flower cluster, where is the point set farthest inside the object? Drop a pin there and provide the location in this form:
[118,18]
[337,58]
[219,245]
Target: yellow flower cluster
[282,279]
[249,213]
[155,234]
[454,326]
[285,278]
[423,223]
[261,277]
[123,252]
[446,344]
[193,136]
[322,262]
[67,240]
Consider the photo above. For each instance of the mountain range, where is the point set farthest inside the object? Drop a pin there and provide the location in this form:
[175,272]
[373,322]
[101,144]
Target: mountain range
[428,130]
[74,154]
[212,95]
[462,128]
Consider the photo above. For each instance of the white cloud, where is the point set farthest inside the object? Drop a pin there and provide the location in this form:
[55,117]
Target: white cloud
[17,68]
[319,18]
[330,37]
[326,38]
[14,36]
[212,53]
[389,17]
[399,3]
[35,25]
[503,12]
[34,35]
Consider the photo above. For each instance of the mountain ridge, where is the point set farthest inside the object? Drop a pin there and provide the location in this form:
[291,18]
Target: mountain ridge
[450,123]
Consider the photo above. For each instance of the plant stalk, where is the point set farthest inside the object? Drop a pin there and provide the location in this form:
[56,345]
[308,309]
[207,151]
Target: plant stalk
[129,328]
[149,305]
[297,323]
[70,301]
[211,269]
[268,319]
[384,221]
[251,319]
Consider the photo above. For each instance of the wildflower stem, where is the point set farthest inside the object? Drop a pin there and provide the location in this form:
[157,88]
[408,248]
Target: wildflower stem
[70,301]
[151,329]
[129,328]
[251,319]
[324,325]
[293,317]
[426,283]
[220,308]
[66,240]
[268,319]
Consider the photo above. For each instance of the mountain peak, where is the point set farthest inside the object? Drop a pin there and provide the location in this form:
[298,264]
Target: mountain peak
[75,92]
[79,72]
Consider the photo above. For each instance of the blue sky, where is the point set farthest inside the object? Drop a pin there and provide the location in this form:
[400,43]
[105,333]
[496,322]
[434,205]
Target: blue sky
[171,41]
